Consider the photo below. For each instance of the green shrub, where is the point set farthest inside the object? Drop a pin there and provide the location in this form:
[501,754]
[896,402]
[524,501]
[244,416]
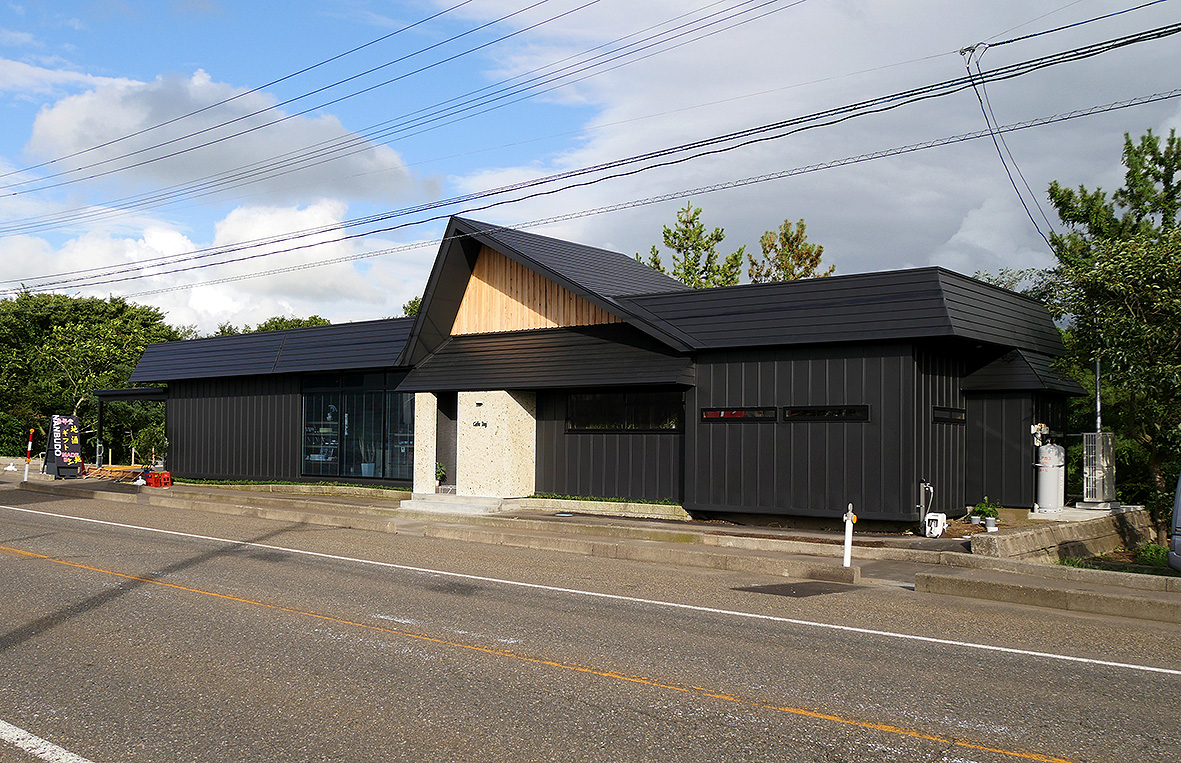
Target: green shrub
[1152,555]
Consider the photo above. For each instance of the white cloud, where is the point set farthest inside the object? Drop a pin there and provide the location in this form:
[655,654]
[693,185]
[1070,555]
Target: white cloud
[113,110]
[936,206]
[364,290]
[20,77]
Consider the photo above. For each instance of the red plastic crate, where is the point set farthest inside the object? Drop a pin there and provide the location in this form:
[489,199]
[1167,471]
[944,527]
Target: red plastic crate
[159,479]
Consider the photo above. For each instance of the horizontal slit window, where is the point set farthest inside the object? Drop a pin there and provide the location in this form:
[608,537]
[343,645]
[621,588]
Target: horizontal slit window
[794,413]
[625,412]
[738,414]
[949,415]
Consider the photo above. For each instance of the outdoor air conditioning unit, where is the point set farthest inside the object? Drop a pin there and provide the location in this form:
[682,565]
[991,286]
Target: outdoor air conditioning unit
[1098,467]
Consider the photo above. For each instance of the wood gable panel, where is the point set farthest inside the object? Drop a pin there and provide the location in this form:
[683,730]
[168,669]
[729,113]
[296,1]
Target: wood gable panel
[503,295]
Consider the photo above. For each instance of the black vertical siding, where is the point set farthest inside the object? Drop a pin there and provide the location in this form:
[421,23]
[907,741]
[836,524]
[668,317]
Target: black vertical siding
[1001,460]
[610,465]
[235,428]
[941,446]
[804,468]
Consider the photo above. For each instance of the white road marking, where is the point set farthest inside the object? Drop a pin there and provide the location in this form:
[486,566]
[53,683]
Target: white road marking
[630,599]
[35,745]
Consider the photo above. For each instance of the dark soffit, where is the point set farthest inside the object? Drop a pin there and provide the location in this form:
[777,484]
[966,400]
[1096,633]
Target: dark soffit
[584,356]
[1021,371]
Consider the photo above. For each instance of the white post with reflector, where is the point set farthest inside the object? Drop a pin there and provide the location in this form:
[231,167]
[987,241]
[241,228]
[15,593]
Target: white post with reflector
[850,520]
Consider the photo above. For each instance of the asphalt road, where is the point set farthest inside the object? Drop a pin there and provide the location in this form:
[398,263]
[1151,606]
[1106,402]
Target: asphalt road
[266,641]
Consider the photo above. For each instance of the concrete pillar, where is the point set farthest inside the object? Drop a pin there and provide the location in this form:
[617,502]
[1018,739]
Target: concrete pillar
[496,444]
[425,418]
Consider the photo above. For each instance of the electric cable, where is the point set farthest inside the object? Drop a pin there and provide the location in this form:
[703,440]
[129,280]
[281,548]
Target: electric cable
[675,195]
[745,137]
[316,154]
[243,94]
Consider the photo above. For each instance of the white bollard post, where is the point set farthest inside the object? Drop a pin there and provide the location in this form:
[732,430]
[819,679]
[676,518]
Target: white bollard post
[850,520]
[28,455]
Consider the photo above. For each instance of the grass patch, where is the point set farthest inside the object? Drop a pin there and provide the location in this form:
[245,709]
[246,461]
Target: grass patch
[1147,559]
[191,481]
[615,499]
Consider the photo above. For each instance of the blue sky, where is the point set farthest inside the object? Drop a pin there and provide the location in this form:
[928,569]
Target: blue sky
[74,75]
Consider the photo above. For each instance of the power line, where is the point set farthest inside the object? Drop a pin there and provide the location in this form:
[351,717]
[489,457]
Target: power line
[685,193]
[293,115]
[660,158]
[243,94]
[698,191]
[331,150]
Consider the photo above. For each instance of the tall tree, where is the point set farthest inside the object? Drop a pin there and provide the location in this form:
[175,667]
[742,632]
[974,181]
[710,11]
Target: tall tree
[1125,308]
[787,256]
[56,350]
[1117,283]
[410,309]
[1146,204]
[695,259]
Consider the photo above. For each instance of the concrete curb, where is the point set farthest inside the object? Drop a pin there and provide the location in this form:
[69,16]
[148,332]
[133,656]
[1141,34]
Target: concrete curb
[524,533]
[995,588]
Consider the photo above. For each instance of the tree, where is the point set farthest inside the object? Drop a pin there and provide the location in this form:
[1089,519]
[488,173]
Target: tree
[787,256]
[280,322]
[1147,203]
[410,309]
[695,253]
[1125,308]
[56,350]
[1118,285]
[275,323]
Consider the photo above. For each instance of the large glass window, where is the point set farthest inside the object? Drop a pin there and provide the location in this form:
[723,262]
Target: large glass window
[399,452]
[321,433]
[357,429]
[625,411]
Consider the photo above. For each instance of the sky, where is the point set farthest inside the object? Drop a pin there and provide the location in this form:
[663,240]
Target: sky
[230,161]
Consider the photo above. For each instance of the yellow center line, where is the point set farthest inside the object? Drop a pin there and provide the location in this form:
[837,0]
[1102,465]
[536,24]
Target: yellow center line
[695,690]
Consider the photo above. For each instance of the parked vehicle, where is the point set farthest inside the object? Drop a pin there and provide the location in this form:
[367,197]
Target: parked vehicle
[1175,545]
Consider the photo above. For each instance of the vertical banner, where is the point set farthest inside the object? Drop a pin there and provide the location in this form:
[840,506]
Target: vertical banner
[63,456]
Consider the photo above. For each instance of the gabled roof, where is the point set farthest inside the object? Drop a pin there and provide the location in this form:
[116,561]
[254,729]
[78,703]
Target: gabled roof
[1020,371]
[901,304]
[599,276]
[578,356]
[340,347]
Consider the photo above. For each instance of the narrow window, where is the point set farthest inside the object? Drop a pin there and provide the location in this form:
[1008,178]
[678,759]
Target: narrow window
[624,412]
[802,413]
[949,415]
[737,414]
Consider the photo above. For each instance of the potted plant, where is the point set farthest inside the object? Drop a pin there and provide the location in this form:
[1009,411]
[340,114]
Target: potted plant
[987,511]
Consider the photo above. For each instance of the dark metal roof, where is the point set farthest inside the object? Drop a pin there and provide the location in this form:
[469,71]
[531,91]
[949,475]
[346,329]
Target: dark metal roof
[599,271]
[345,346]
[1019,371]
[585,356]
[900,304]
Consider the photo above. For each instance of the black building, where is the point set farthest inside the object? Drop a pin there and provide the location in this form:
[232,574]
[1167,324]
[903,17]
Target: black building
[540,365]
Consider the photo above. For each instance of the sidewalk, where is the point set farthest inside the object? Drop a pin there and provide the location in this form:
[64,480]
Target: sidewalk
[937,566]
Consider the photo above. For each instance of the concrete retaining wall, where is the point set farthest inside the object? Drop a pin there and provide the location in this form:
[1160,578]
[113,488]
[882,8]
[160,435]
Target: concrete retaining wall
[1057,541]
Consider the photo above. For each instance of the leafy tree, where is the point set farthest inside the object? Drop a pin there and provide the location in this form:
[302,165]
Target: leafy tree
[1118,284]
[695,259]
[787,256]
[282,322]
[275,323]
[410,309]
[1125,307]
[56,350]
[1147,203]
